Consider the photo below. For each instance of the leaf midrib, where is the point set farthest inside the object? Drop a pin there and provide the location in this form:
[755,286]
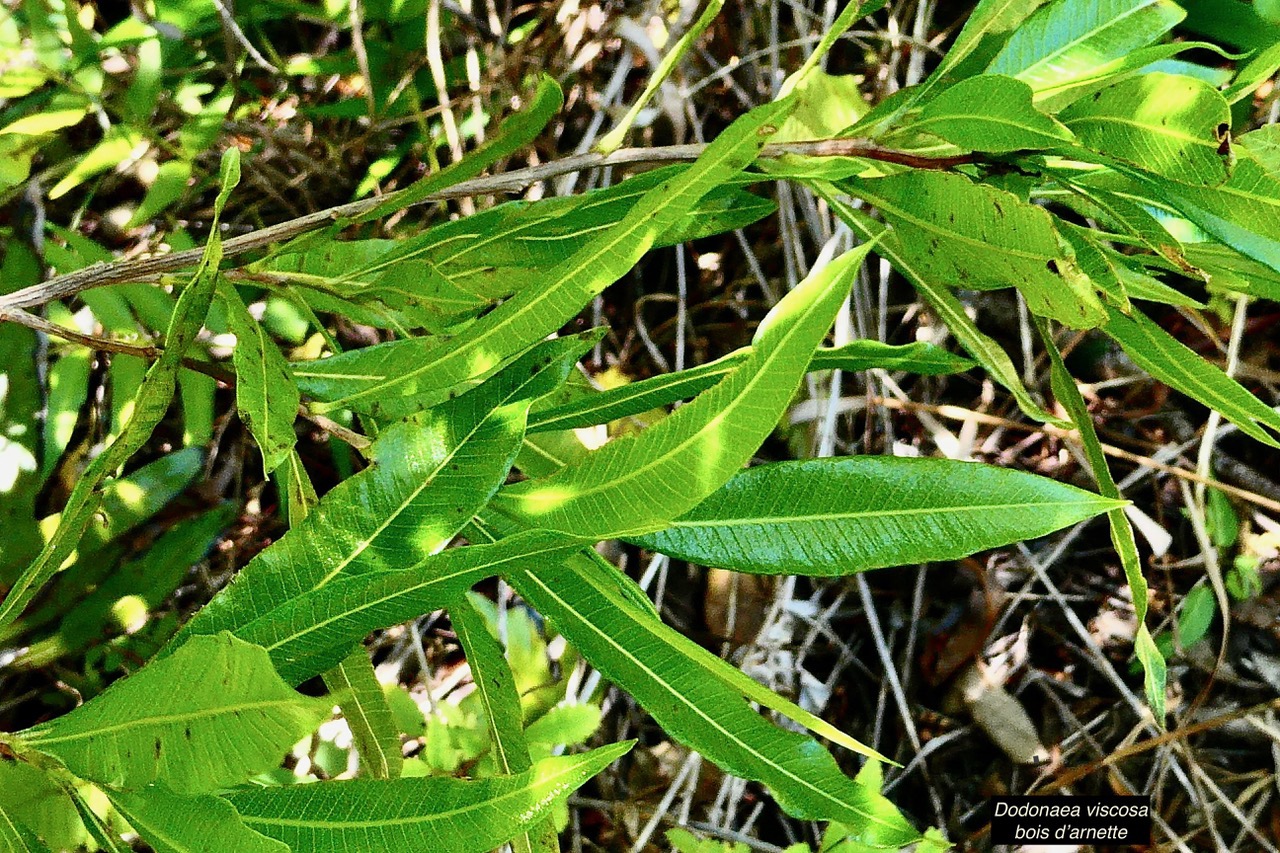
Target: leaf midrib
[844,516]
[166,719]
[728,734]
[400,820]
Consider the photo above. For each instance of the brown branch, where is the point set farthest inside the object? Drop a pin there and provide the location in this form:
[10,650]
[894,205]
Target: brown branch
[150,269]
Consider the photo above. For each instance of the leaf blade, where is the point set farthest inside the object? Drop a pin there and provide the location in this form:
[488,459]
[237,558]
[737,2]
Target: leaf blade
[831,517]
[170,721]
[691,453]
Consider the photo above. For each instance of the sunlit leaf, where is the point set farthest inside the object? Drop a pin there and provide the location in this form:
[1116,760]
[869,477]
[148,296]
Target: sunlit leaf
[176,824]
[973,235]
[460,816]
[636,483]
[840,516]
[1164,357]
[990,113]
[1066,40]
[173,721]
[396,378]
[1173,126]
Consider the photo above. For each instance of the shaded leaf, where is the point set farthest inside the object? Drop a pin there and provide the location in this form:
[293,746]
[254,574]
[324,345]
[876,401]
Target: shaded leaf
[152,403]
[266,396]
[1164,357]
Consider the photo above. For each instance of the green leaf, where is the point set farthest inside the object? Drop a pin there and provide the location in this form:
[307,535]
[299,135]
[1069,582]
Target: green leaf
[1196,614]
[831,517]
[266,395]
[1243,213]
[428,476]
[636,397]
[1066,40]
[993,114]
[151,577]
[950,310]
[399,377]
[637,483]
[1165,358]
[1166,124]
[368,714]
[988,28]
[15,837]
[33,800]
[117,146]
[460,816]
[1068,395]
[564,725]
[627,643]
[169,186]
[496,687]
[152,403]
[194,824]
[175,720]
[1260,68]
[973,235]
[313,631]
[516,132]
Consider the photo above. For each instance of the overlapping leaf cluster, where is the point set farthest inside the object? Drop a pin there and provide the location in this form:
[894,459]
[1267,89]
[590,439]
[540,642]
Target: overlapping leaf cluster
[1039,110]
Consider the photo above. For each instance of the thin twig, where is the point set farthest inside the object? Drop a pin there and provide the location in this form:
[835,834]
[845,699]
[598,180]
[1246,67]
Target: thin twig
[150,269]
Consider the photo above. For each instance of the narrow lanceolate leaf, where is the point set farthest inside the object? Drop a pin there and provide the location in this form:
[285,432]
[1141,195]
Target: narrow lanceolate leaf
[400,377]
[428,476]
[972,235]
[313,631]
[496,687]
[991,113]
[266,395]
[839,516]
[365,708]
[636,397]
[987,352]
[461,816]
[1167,124]
[175,824]
[1068,39]
[1164,357]
[635,650]
[635,484]
[516,132]
[208,717]
[151,405]
[987,29]
[1066,392]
